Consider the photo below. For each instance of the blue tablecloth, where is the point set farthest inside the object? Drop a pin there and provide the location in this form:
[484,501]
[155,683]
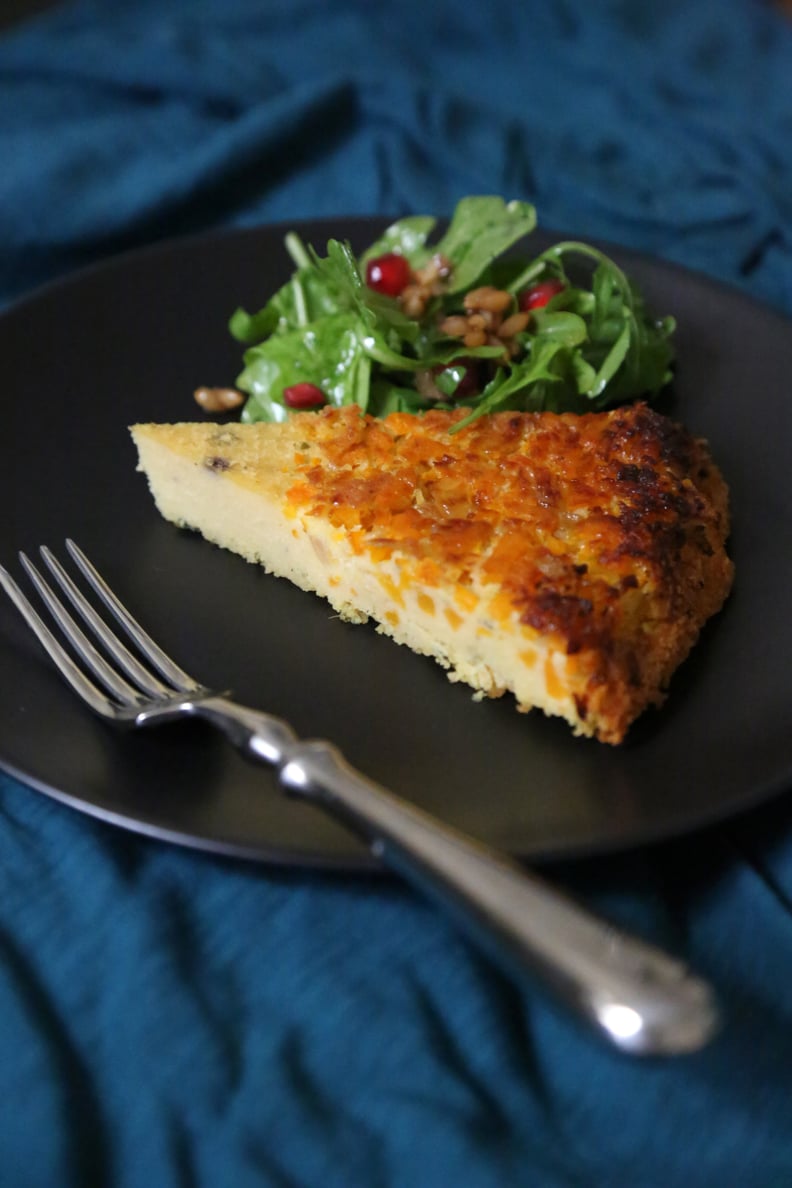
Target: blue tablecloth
[169,1018]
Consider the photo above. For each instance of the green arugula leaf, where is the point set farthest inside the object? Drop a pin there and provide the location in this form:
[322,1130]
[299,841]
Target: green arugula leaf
[482,228]
[341,274]
[449,379]
[307,297]
[568,327]
[327,353]
[386,397]
[407,237]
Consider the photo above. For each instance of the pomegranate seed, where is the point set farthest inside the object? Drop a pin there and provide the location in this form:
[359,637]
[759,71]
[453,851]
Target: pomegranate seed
[388,274]
[538,295]
[303,396]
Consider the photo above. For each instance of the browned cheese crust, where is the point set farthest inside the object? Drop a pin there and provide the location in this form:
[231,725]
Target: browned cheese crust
[604,532]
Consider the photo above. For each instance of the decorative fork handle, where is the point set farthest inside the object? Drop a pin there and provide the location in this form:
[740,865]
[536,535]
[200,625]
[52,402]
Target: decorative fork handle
[639,998]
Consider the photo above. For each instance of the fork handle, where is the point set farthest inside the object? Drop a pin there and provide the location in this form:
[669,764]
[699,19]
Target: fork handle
[640,999]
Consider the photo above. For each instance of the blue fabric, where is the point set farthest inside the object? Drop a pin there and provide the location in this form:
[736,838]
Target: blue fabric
[168,1018]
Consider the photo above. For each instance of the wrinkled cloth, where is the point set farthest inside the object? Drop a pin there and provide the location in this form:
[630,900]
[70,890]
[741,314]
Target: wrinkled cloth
[171,1018]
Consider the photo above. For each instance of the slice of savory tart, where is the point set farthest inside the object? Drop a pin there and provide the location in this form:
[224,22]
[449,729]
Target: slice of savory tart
[569,559]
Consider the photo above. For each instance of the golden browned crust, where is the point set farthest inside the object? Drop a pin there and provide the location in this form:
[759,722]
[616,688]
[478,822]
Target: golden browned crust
[571,559]
[605,533]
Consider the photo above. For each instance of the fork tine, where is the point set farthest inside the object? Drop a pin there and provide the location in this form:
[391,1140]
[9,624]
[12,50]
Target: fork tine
[113,682]
[129,663]
[59,656]
[152,651]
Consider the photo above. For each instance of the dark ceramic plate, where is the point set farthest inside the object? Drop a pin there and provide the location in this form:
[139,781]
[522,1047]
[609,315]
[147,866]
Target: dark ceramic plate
[129,341]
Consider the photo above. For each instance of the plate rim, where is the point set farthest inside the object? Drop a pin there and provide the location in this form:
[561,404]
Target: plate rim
[61,285]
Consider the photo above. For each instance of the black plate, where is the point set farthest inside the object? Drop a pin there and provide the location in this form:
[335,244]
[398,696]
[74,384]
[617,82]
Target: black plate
[129,341]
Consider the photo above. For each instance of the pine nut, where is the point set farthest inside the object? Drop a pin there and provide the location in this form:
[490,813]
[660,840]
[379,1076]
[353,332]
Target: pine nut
[454,326]
[489,298]
[413,300]
[514,325]
[475,338]
[215,400]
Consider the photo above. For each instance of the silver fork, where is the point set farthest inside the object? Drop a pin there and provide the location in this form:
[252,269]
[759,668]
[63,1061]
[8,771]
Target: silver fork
[640,999]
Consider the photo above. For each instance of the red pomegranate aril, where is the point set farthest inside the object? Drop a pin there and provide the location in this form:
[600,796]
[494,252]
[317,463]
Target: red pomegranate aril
[538,295]
[303,396]
[389,274]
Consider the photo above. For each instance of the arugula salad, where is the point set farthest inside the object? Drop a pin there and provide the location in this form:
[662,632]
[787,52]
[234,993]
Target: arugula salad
[464,321]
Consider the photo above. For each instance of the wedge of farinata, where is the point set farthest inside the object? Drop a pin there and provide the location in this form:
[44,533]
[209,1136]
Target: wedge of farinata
[570,559]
